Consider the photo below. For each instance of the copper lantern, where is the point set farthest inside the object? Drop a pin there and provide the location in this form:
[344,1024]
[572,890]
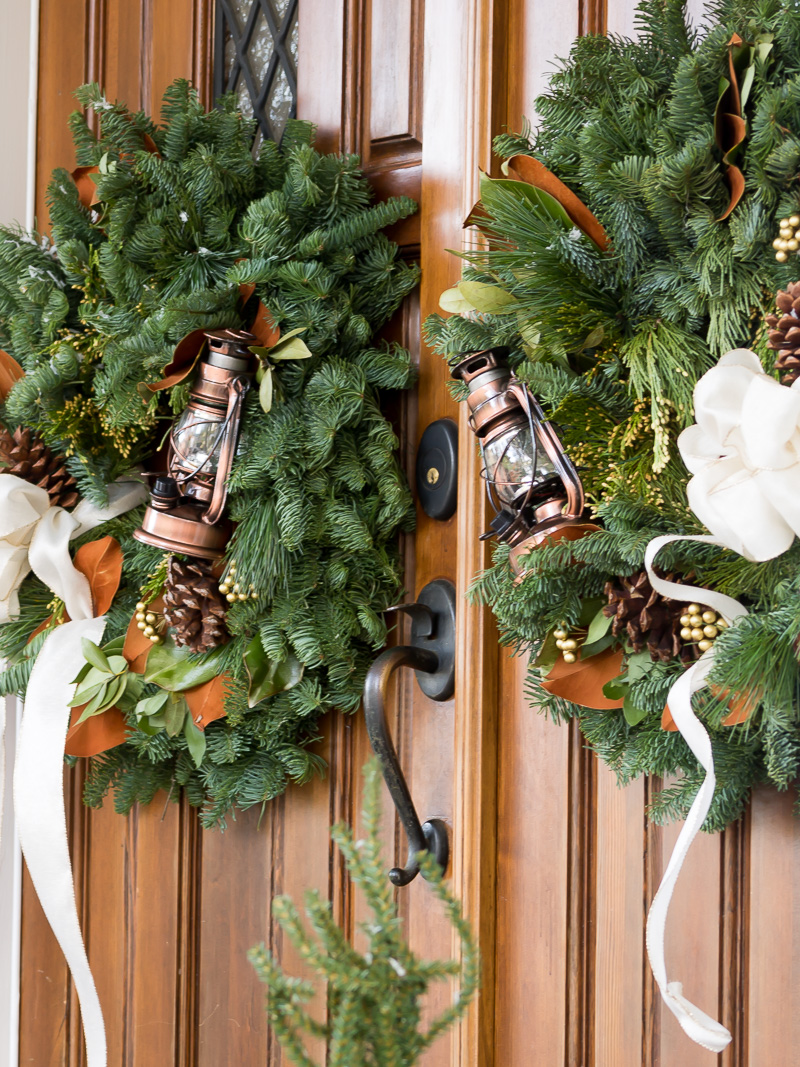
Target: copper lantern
[186,510]
[532,483]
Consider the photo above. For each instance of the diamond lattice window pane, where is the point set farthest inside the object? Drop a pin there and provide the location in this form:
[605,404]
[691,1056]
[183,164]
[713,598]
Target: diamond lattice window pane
[256,57]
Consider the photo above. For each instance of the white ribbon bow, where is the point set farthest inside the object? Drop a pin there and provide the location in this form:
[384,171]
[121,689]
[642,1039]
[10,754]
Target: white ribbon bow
[35,536]
[744,453]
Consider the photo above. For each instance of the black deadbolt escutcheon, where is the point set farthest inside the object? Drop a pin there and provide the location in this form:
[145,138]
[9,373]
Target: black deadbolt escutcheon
[437,469]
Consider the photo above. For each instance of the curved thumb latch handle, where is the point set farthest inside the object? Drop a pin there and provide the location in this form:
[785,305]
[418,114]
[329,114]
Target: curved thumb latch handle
[432,656]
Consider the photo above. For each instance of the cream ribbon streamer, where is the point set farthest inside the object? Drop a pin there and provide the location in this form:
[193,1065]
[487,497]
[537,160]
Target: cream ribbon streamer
[35,536]
[699,1026]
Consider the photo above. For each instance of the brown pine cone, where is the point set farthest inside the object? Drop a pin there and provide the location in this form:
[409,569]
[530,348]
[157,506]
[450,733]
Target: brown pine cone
[784,333]
[25,454]
[193,605]
[649,619]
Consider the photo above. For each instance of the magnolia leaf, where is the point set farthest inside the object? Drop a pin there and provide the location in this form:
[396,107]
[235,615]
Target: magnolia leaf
[95,655]
[548,654]
[265,390]
[176,668]
[632,713]
[175,714]
[151,705]
[267,352]
[593,648]
[454,302]
[268,676]
[291,348]
[152,724]
[598,627]
[589,609]
[118,664]
[495,190]
[639,664]
[134,684]
[616,689]
[488,299]
[195,741]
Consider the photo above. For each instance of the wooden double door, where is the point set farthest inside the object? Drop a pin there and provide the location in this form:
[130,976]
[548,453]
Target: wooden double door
[554,864]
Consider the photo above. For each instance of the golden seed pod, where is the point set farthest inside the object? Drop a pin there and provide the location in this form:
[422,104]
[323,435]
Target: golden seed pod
[781,257]
[686,634]
[141,606]
[710,631]
[155,639]
[709,616]
[786,233]
[560,635]
[231,597]
[685,619]
[140,616]
[794,220]
[696,620]
[697,634]
[777,243]
[150,617]
[225,588]
[694,609]
[570,644]
[148,630]
[569,657]
[783,223]
[793,245]
[141,625]
[722,623]
[705,644]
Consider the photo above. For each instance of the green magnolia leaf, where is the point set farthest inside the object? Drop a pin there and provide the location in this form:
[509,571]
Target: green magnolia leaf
[176,711]
[589,608]
[134,684]
[488,299]
[616,689]
[95,655]
[598,627]
[639,664]
[600,645]
[88,692]
[118,664]
[268,353]
[195,741]
[176,668]
[265,390]
[495,190]
[115,647]
[548,654]
[290,348]
[152,725]
[454,302]
[268,676]
[79,677]
[632,713]
[151,705]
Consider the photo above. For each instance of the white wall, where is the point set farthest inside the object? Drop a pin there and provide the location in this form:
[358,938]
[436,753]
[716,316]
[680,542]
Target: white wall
[19,21]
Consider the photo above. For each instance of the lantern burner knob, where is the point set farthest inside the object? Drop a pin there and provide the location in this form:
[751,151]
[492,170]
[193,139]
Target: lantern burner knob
[165,493]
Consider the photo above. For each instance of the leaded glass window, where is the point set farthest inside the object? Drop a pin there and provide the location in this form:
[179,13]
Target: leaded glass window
[255,56]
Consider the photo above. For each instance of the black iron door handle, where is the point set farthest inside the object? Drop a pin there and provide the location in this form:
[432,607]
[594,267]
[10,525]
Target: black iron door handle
[432,656]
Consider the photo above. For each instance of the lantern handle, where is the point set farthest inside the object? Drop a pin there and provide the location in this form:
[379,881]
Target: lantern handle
[576,501]
[237,390]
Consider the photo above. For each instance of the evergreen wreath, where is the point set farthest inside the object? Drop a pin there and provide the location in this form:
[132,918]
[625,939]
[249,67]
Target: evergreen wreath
[185,230]
[611,326]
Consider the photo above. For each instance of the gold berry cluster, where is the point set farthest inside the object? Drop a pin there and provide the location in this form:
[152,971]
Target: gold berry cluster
[701,627]
[151,623]
[787,240]
[232,590]
[567,643]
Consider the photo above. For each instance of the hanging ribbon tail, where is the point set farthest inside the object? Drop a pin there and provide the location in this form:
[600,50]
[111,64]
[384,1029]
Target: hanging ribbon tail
[699,1026]
[40,810]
